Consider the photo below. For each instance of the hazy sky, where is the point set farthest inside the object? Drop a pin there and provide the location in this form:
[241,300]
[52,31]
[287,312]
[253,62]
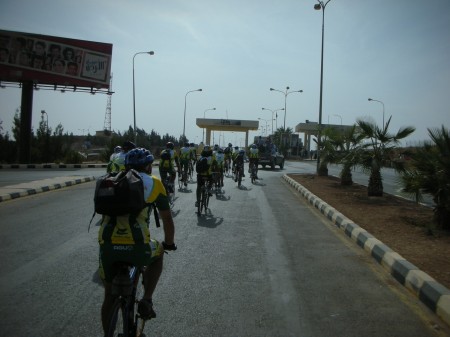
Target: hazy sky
[397,52]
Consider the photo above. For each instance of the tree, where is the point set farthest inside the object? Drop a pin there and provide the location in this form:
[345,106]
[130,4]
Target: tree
[338,147]
[429,172]
[376,150]
[281,137]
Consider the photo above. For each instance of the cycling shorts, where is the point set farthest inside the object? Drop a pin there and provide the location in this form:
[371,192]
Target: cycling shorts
[141,254]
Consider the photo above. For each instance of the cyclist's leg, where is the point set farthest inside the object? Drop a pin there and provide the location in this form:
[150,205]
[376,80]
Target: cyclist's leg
[151,256]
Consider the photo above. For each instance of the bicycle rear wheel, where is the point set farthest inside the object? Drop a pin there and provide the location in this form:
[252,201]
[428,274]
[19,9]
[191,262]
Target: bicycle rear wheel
[138,294]
[118,326]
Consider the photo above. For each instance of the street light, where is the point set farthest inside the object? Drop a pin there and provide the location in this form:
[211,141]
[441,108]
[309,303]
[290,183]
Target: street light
[370,99]
[203,137]
[184,120]
[285,93]
[134,100]
[266,120]
[47,135]
[46,124]
[273,111]
[339,117]
[319,6]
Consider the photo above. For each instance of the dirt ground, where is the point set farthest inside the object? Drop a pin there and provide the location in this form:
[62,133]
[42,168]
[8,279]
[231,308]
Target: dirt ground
[402,225]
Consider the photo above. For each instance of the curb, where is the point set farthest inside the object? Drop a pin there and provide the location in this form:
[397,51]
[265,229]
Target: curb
[433,294]
[17,191]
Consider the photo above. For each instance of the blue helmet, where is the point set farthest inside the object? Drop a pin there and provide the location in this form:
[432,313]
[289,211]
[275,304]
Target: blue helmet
[138,157]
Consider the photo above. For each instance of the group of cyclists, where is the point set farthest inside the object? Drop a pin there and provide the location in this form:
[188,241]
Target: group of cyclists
[127,238]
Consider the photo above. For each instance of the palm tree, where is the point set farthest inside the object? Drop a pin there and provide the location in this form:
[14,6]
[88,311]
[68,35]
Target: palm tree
[350,141]
[429,173]
[280,136]
[377,148]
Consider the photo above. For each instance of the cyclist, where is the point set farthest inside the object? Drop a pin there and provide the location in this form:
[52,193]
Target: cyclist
[205,174]
[113,165]
[219,160]
[127,238]
[169,159]
[228,152]
[233,157]
[253,158]
[239,162]
[185,157]
[118,164]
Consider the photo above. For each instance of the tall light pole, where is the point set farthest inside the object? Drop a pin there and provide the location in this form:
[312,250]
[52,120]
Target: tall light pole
[134,95]
[285,93]
[273,111]
[339,117]
[46,124]
[265,120]
[374,100]
[47,135]
[204,115]
[320,6]
[184,120]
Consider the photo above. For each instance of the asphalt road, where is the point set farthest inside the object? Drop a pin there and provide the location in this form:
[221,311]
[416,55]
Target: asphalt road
[263,263]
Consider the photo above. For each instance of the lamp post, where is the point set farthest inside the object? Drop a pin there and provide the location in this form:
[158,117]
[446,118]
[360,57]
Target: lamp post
[320,6]
[134,95]
[46,124]
[273,111]
[374,100]
[184,120]
[265,120]
[339,117]
[47,135]
[204,114]
[285,93]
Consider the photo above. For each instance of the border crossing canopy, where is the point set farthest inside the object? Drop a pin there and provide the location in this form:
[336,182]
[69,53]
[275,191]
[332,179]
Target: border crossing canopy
[227,125]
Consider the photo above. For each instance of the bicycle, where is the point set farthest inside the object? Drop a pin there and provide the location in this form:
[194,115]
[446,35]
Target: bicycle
[204,196]
[184,176]
[253,174]
[170,189]
[128,289]
[227,167]
[239,170]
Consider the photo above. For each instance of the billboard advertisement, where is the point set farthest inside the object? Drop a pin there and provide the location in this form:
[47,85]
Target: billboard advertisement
[44,59]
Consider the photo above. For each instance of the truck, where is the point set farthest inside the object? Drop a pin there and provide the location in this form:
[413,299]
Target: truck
[268,153]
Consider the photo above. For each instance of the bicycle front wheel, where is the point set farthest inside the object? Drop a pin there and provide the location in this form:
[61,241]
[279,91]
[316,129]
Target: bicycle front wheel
[118,323]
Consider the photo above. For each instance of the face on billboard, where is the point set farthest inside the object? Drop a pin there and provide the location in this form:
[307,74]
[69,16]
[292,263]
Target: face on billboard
[54,60]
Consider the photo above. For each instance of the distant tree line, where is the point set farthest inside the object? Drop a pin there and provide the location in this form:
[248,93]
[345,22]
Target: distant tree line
[56,146]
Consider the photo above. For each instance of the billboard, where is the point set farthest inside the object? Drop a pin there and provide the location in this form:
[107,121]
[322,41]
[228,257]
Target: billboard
[51,60]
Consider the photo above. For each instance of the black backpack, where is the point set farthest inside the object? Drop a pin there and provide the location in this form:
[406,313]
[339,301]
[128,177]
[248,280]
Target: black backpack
[165,155]
[202,165]
[119,193]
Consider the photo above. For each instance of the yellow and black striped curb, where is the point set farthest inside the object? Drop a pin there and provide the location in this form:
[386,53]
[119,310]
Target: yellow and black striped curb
[34,187]
[433,294]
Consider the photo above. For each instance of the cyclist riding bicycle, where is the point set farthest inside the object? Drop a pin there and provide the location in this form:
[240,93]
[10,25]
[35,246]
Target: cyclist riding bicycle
[168,160]
[185,157]
[127,238]
[206,173]
[239,162]
[193,152]
[117,159]
[253,158]
[219,161]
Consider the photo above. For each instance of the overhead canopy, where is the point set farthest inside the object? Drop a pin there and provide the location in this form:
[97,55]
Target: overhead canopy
[227,125]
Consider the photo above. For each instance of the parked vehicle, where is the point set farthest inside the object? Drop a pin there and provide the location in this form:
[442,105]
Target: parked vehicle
[269,156]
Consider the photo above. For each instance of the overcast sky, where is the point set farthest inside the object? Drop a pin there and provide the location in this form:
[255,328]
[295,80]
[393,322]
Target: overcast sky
[397,52]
